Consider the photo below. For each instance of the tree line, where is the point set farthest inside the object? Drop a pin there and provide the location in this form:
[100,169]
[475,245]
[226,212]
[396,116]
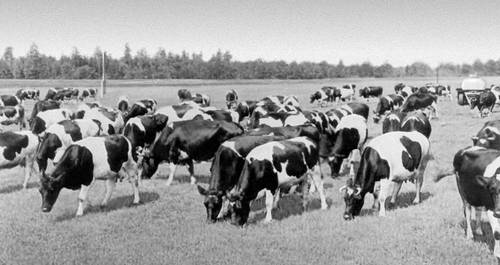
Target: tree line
[167,65]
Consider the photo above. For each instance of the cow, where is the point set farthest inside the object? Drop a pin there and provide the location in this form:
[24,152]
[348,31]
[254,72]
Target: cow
[416,121]
[307,130]
[223,115]
[406,159]
[88,93]
[123,104]
[226,169]
[141,132]
[13,115]
[176,113]
[320,120]
[277,119]
[386,104]
[398,88]
[476,171]
[371,91]
[110,121]
[321,97]
[9,100]
[335,115]
[45,119]
[184,95]
[231,99]
[485,102]
[201,99]
[43,105]
[291,101]
[106,158]
[60,135]
[245,108]
[18,149]
[273,166]
[28,93]
[187,141]
[66,94]
[488,136]
[51,93]
[346,141]
[422,101]
[141,107]
[392,121]
[347,92]
[277,100]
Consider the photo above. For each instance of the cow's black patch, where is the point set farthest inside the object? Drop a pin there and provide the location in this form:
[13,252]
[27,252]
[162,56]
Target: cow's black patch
[117,148]
[72,128]
[412,156]
[75,168]
[13,144]
[37,125]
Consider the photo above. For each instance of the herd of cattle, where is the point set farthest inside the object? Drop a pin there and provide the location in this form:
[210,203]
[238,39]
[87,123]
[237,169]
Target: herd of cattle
[257,148]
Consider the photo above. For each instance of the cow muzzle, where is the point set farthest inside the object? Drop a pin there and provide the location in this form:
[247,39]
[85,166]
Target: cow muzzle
[348,216]
[46,209]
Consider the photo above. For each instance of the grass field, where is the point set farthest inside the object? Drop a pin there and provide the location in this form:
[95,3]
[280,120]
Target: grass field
[169,226]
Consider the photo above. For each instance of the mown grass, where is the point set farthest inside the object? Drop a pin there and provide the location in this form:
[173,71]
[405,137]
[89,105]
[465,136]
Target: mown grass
[169,226]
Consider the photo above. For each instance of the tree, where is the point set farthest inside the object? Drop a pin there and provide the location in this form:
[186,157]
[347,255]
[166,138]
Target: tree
[33,63]
[8,58]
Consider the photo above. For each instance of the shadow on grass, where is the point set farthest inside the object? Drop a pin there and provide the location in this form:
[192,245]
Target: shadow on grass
[113,204]
[486,237]
[403,200]
[18,187]
[288,205]
[184,178]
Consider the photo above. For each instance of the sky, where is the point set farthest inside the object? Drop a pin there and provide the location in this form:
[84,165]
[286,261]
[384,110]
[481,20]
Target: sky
[396,31]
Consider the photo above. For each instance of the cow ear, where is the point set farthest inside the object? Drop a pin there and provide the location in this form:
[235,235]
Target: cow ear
[202,190]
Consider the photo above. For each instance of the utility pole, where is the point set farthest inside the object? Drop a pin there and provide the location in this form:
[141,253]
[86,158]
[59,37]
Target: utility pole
[437,75]
[103,81]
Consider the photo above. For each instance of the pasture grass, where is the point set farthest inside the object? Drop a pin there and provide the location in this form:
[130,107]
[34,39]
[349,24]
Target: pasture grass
[169,226]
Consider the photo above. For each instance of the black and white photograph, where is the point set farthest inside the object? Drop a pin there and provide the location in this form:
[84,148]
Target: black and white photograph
[250,132]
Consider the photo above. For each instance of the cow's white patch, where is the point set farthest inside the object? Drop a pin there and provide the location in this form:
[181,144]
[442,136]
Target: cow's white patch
[348,109]
[235,116]
[271,122]
[305,140]
[99,156]
[231,145]
[355,121]
[412,118]
[140,104]
[492,129]
[54,116]
[492,168]
[295,120]
[264,152]
[137,122]
[87,127]
[389,99]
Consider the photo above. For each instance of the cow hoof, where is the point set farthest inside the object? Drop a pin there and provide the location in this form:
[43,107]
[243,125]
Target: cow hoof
[268,221]
[324,207]
[416,201]
[193,181]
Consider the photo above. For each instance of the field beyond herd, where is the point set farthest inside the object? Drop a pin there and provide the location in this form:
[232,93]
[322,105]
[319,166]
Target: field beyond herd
[169,227]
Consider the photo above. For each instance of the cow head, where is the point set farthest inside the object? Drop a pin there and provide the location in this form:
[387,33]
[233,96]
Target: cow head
[239,209]
[474,101]
[315,96]
[344,141]
[160,121]
[353,199]
[487,138]
[47,149]
[49,190]
[37,125]
[212,202]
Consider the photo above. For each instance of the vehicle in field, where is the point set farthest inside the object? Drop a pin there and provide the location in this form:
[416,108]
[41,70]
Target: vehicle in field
[470,86]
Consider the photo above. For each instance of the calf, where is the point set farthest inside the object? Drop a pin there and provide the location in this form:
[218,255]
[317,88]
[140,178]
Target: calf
[421,101]
[43,105]
[489,135]
[371,91]
[13,115]
[18,148]
[188,141]
[226,168]
[141,107]
[386,104]
[45,119]
[485,102]
[476,172]
[406,159]
[271,166]
[106,158]
[59,136]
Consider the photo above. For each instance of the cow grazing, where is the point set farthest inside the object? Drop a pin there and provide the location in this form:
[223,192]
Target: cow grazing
[141,132]
[45,119]
[389,159]
[371,91]
[346,141]
[201,99]
[28,93]
[273,166]
[478,181]
[231,99]
[43,105]
[485,102]
[309,131]
[110,121]
[88,93]
[226,169]
[106,158]
[18,148]
[421,101]
[188,141]
[60,135]
[141,107]
[386,104]
[277,119]
[335,115]
[245,109]
[123,104]
[489,135]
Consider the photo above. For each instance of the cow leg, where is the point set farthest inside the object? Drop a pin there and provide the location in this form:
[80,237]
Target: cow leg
[376,192]
[496,233]
[191,172]
[269,206]
[82,197]
[478,230]
[171,174]
[318,183]
[135,187]
[355,158]
[468,220]
[110,186]
[28,168]
[420,177]
[385,184]
[395,192]
[277,197]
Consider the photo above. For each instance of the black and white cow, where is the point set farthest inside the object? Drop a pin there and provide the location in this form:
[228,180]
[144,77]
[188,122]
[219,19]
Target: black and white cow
[13,115]
[386,104]
[111,121]
[141,132]
[321,97]
[201,99]
[277,119]
[231,99]
[188,141]
[141,107]
[184,95]
[277,100]
[28,93]
[389,159]
[9,100]
[88,93]
[176,113]
[45,119]
[291,101]
[123,104]
[66,94]
[416,121]
[18,149]
[245,108]
[60,135]
[421,101]
[348,91]
[489,135]
[371,91]
[226,169]
[346,141]
[308,130]
[335,115]
[398,87]
[392,121]
[83,162]
[272,166]
[476,171]
[43,105]
[485,102]
[222,115]
[51,93]
[320,120]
